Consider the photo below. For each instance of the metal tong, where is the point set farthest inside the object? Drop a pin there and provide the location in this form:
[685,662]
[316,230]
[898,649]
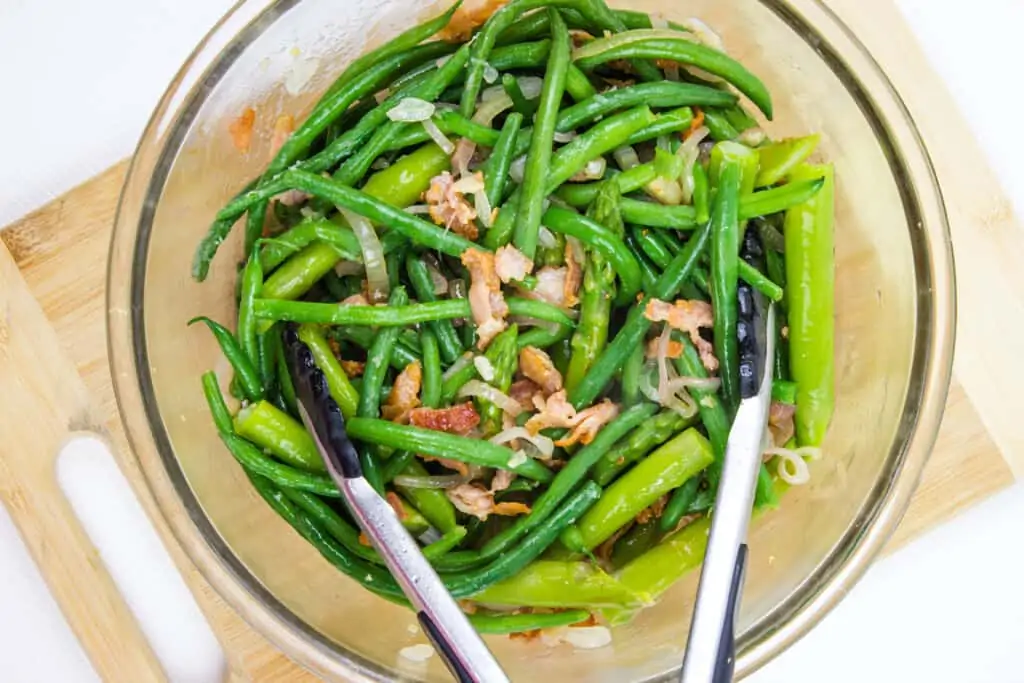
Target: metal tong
[454,638]
[711,647]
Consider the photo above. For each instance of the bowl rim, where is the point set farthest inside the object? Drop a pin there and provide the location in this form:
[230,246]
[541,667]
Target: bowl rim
[809,602]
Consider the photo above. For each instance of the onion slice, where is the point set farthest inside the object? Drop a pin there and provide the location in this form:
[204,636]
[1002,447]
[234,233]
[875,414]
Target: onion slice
[689,151]
[411,110]
[543,445]
[476,388]
[373,255]
[792,463]
[438,136]
[460,364]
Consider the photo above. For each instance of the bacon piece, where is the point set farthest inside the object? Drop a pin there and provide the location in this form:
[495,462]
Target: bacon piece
[653,512]
[675,349]
[523,391]
[283,129]
[551,286]
[450,208]
[459,419]
[689,317]
[511,264]
[468,18]
[405,394]
[473,499]
[502,480]
[780,423]
[485,298]
[556,412]
[537,365]
[353,368]
[573,276]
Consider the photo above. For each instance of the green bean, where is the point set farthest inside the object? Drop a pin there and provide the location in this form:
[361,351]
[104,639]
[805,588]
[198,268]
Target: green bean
[639,443]
[277,432]
[655,571]
[276,251]
[655,250]
[416,229]
[784,392]
[810,273]
[396,464]
[252,284]
[782,198]
[467,332]
[253,459]
[632,332]
[215,399]
[655,44]
[363,337]
[662,94]
[594,235]
[759,281]
[667,468]
[667,123]
[356,166]
[529,27]
[701,194]
[449,122]
[631,378]
[780,158]
[556,584]
[599,140]
[433,504]
[568,478]
[535,175]
[583,194]
[520,104]
[712,412]
[247,374]
[457,379]
[635,542]
[496,169]
[335,525]
[577,85]
[543,338]
[598,290]
[718,126]
[529,548]
[298,274]
[403,182]
[448,340]
[377,361]
[284,382]
[503,355]
[338,383]
[725,245]
[442,445]
[431,394]
[678,504]
[500,624]
[267,343]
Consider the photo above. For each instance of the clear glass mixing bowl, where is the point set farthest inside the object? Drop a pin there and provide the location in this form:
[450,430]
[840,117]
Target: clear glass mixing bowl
[894,341]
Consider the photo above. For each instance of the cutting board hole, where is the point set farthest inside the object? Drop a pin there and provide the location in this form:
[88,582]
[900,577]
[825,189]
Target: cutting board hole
[138,563]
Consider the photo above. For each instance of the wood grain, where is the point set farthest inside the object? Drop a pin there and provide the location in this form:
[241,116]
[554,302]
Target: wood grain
[61,250]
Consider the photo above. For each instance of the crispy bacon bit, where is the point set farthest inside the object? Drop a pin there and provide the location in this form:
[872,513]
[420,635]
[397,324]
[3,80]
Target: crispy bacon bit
[468,18]
[502,480]
[457,466]
[579,38]
[780,423]
[528,636]
[537,365]
[573,275]
[396,504]
[653,512]
[675,348]
[241,130]
[485,298]
[511,264]
[689,317]
[448,207]
[405,394]
[591,620]
[523,391]
[459,419]
[356,300]
[589,423]
[698,121]
[473,499]
[685,521]
[551,286]
[468,606]
[557,412]
[283,129]
[363,540]
[353,368]
[604,551]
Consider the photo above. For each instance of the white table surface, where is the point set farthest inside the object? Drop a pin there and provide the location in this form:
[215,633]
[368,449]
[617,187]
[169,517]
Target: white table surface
[69,113]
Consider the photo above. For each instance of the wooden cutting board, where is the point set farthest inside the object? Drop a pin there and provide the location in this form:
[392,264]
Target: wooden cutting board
[53,354]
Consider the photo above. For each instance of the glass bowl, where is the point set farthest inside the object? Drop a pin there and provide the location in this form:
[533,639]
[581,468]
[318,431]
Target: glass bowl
[894,337]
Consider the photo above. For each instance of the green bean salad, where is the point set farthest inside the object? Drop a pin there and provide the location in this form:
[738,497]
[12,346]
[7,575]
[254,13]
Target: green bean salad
[513,245]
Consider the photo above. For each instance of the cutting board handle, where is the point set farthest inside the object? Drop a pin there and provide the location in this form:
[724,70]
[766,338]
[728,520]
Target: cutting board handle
[43,405]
